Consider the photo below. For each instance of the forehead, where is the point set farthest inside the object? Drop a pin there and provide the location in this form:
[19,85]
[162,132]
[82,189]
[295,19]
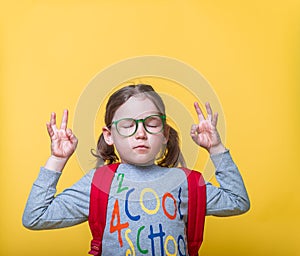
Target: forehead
[136,107]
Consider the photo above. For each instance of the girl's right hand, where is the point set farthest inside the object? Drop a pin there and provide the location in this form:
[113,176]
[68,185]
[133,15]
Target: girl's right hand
[63,141]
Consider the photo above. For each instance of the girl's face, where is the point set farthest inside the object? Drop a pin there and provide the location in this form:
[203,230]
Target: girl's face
[142,147]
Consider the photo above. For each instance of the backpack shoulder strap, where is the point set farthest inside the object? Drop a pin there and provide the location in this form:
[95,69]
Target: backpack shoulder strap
[196,210]
[100,188]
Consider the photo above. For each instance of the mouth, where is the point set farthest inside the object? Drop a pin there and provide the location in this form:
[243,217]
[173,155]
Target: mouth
[141,147]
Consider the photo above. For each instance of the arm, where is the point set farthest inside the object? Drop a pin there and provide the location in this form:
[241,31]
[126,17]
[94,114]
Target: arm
[231,197]
[43,210]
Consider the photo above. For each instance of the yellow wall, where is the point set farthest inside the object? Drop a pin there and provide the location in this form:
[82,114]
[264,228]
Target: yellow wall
[248,51]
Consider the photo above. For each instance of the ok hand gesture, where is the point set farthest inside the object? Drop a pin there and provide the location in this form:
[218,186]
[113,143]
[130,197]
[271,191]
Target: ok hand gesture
[205,133]
[63,141]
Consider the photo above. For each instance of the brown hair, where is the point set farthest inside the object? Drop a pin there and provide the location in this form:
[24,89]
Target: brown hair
[106,153]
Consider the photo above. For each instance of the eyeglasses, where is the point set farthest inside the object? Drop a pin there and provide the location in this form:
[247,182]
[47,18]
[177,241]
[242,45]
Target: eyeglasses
[128,126]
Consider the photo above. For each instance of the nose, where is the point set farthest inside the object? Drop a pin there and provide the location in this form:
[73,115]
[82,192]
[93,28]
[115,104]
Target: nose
[141,132]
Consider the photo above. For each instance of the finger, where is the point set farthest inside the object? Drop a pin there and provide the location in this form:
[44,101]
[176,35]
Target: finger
[64,120]
[206,142]
[194,127]
[49,129]
[69,132]
[209,111]
[199,112]
[71,136]
[193,131]
[204,127]
[53,120]
[215,120]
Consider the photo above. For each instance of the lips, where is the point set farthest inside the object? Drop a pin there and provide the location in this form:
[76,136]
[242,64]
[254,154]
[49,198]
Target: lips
[141,147]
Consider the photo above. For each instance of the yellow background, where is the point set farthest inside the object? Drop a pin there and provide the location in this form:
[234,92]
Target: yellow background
[249,52]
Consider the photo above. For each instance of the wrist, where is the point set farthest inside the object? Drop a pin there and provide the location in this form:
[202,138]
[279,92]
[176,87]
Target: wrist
[220,148]
[55,163]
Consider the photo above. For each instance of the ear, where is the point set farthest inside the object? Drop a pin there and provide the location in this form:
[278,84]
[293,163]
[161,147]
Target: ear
[166,135]
[107,136]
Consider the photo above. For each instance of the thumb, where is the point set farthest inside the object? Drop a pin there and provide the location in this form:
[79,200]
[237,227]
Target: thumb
[71,135]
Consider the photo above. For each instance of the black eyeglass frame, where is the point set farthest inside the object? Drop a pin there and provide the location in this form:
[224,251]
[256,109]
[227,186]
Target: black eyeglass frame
[137,121]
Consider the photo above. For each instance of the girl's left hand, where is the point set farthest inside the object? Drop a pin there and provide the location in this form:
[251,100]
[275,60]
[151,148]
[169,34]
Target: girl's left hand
[205,133]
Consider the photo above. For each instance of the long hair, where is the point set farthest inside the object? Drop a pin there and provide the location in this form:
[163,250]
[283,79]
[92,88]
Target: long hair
[106,153]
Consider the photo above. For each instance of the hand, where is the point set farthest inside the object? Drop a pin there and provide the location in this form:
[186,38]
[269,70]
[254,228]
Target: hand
[205,133]
[63,141]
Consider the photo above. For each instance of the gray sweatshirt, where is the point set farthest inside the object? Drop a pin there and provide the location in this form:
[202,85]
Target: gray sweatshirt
[141,201]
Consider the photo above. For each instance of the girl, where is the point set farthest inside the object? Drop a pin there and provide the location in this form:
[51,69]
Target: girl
[147,187]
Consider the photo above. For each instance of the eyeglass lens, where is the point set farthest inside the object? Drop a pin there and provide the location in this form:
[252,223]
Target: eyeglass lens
[128,126]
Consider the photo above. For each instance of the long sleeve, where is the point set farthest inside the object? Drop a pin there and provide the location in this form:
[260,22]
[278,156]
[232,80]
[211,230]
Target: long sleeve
[44,210]
[231,197]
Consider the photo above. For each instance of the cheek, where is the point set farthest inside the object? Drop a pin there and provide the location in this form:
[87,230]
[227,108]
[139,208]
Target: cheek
[158,142]
[122,145]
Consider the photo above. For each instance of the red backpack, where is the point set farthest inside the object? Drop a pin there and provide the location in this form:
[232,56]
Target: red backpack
[100,189]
